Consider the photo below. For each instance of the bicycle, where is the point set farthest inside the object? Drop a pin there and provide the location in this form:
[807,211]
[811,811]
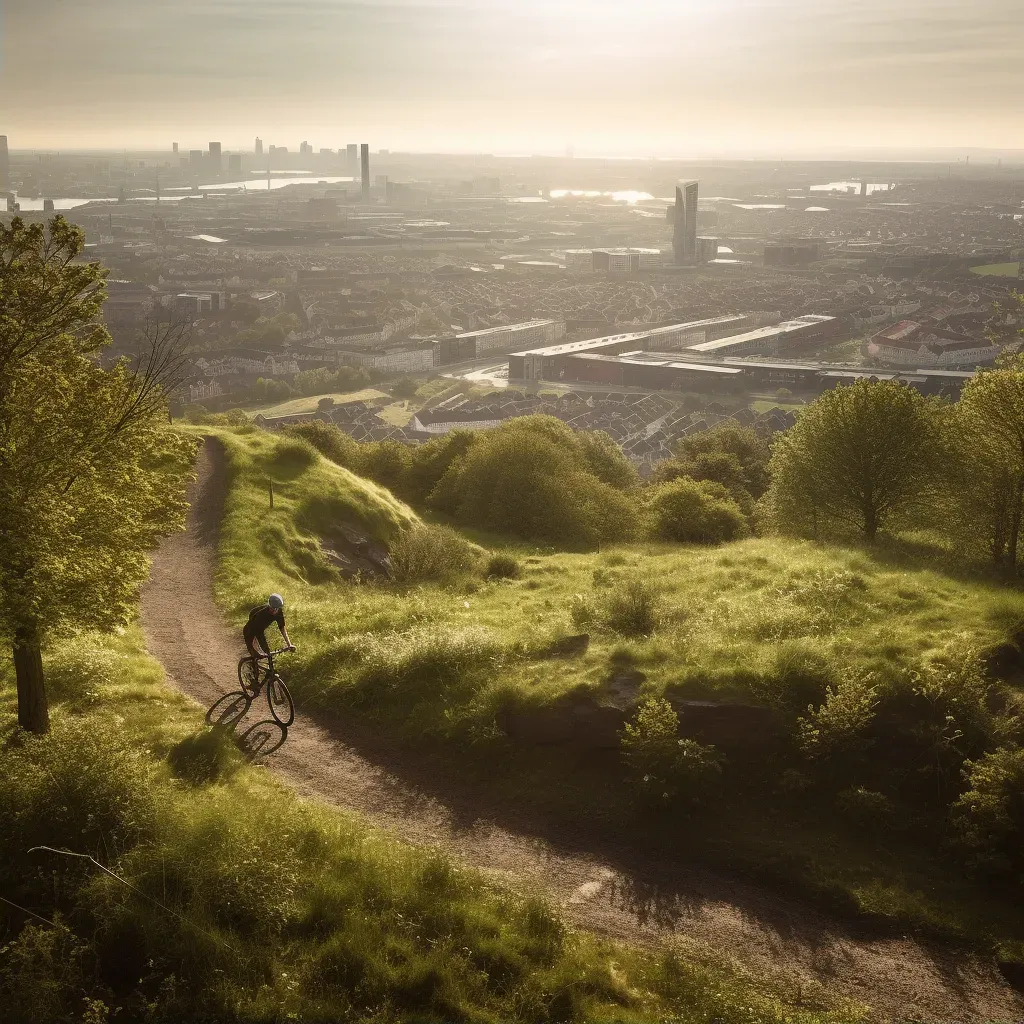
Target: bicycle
[282,708]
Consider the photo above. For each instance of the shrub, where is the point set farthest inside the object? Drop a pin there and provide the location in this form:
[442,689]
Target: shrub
[404,387]
[989,816]
[329,441]
[838,727]
[205,756]
[387,463]
[604,458]
[430,554]
[632,609]
[503,566]
[865,808]
[692,512]
[528,477]
[663,767]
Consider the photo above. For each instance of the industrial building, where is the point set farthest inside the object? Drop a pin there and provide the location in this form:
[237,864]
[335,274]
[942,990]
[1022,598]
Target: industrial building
[497,339]
[797,253]
[614,260]
[548,363]
[771,340]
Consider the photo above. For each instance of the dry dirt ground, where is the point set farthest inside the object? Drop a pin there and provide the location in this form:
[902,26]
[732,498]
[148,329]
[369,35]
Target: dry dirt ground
[620,896]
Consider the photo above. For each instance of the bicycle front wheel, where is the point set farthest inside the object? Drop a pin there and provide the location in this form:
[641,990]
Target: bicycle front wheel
[249,675]
[282,709]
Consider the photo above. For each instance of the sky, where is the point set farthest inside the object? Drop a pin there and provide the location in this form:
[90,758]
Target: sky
[672,78]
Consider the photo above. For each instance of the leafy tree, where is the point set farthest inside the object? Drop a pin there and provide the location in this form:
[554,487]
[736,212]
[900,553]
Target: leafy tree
[90,476]
[987,435]
[404,387]
[860,457]
[730,455]
[695,512]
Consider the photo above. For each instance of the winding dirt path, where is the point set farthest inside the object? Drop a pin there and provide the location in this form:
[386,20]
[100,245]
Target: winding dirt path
[901,979]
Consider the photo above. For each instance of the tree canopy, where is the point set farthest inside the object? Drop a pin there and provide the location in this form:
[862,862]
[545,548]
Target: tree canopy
[89,474]
[859,458]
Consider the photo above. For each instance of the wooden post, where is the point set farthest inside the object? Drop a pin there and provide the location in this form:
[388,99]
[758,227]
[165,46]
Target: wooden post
[271,495]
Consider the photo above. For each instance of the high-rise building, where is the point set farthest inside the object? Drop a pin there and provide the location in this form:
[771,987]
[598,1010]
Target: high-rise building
[684,219]
[5,163]
[352,150]
[259,147]
[195,158]
[306,149]
[365,155]
[215,156]
[174,147]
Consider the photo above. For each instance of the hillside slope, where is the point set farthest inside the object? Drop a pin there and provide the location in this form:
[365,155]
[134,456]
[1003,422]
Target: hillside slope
[422,799]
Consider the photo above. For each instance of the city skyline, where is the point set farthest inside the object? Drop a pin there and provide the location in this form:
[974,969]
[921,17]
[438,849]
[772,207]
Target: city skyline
[680,80]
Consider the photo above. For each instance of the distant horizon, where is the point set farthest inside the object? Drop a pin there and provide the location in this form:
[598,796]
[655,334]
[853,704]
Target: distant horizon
[723,80]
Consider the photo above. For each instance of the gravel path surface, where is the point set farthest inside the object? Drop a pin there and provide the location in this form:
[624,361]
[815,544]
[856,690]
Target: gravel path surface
[622,897]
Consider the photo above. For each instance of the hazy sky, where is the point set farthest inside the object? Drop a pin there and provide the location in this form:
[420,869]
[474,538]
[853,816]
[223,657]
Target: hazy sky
[612,77]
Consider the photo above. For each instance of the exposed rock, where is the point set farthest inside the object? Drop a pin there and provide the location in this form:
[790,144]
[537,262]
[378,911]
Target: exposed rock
[725,724]
[352,552]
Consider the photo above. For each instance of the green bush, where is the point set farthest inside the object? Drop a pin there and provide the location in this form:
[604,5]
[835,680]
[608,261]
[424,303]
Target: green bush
[432,460]
[866,808]
[989,816]
[529,477]
[430,554]
[503,566]
[387,463]
[329,441]
[663,767]
[692,512]
[633,609]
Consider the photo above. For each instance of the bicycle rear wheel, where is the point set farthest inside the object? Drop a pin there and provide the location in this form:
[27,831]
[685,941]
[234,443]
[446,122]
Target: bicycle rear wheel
[249,675]
[282,709]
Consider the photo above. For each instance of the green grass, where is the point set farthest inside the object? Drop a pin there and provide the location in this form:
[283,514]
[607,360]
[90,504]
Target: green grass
[762,621]
[237,901]
[997,270]
[296,406]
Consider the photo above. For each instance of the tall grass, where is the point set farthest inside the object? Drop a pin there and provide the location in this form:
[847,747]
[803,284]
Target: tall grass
[234,901]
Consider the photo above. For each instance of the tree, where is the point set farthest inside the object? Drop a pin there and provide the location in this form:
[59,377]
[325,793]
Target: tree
[730,455]
[860,457]
[988,435]
[90,475]
[605,460]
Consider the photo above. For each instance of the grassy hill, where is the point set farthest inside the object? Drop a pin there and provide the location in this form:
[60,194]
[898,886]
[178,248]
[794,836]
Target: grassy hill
[764,624]
[231,900]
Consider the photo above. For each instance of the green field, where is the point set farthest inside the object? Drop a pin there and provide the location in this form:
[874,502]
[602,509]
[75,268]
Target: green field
[766,622]
[295,406]
[998,270]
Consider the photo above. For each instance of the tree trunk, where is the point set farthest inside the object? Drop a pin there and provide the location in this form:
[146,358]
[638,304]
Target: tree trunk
[33,712]
[1015,522]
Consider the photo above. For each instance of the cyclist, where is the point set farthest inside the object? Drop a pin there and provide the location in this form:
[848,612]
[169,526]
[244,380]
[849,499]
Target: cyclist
[255,631]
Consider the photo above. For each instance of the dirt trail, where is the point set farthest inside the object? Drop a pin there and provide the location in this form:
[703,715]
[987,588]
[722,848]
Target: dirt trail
[902,979]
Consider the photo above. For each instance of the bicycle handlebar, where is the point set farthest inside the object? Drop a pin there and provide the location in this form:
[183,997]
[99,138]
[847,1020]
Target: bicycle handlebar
[271,654]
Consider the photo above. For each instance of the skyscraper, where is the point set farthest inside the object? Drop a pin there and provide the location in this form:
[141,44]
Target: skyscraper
[174,147]
[684,232]
[365,154]
[5,163]
[259,147]
[215,156]
[352,150]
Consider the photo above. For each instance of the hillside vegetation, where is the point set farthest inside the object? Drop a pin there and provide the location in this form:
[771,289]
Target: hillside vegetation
[882,677]
[231,901]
